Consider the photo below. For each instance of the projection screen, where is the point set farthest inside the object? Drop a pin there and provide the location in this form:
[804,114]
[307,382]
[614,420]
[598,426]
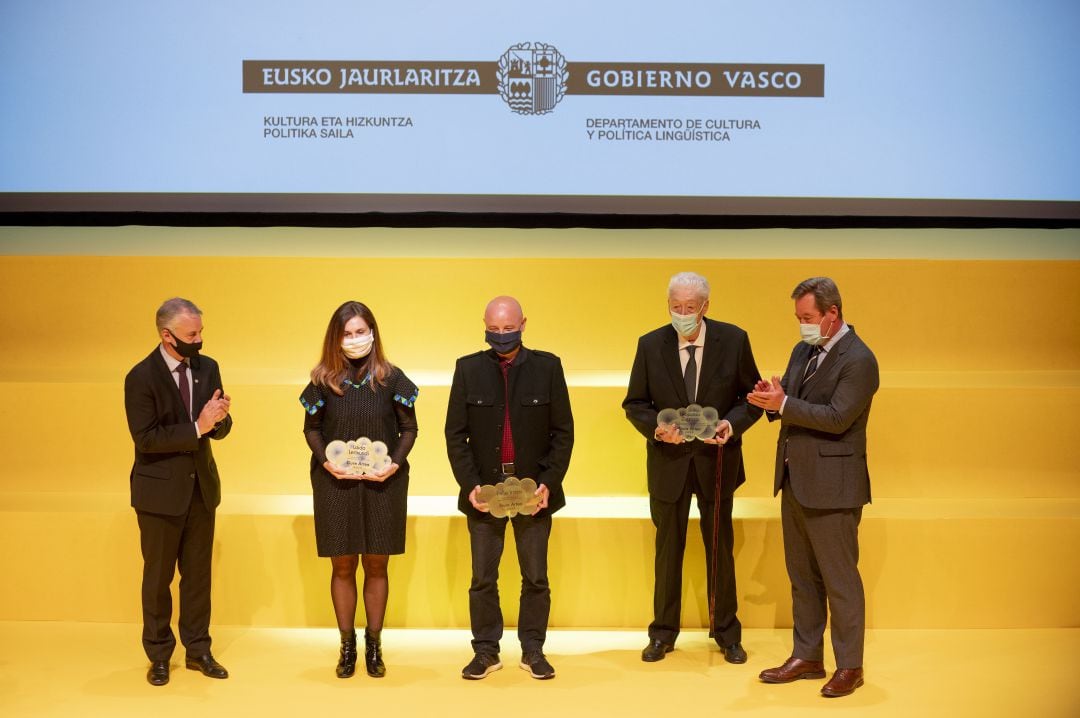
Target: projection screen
[918,109]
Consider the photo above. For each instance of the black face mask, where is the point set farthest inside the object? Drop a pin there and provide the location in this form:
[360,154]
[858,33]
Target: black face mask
[503,343]
[186,349]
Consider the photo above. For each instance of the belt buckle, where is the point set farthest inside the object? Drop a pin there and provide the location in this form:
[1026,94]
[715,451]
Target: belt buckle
[508,469]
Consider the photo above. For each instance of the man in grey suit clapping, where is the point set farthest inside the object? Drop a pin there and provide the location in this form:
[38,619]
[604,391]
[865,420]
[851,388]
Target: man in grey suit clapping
[823,404]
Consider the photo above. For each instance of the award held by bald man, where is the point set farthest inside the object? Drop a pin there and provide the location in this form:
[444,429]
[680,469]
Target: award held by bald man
[509,434]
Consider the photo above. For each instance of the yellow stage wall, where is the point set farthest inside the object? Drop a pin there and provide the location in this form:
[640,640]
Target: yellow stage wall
[977,505]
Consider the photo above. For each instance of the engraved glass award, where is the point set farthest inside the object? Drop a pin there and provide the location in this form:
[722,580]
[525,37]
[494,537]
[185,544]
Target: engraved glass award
[693,422]
[510,498]
[359,458]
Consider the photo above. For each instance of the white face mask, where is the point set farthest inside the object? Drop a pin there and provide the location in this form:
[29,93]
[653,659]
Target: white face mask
[358,347]
[811,334]
[685,324]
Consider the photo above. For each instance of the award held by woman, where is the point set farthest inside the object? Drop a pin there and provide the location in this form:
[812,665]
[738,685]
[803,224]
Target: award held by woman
[359,458]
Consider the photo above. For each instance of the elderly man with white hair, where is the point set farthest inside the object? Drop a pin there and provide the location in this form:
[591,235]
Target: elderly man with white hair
[693,360]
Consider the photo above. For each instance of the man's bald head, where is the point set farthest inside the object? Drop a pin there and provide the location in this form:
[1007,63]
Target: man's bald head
[504,314]
[505,323]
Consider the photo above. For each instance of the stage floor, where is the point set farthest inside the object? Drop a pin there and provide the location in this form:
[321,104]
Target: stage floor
[77,669]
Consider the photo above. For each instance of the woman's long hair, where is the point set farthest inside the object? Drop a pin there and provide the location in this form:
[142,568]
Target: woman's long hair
[333,366]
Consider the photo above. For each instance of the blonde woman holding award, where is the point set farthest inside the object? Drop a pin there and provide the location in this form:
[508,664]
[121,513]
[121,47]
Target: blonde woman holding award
[360,424]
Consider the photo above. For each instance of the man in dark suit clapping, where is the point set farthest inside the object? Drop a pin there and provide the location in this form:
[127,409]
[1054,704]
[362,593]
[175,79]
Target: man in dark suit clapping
[175,405]
[693,360]
[823,404]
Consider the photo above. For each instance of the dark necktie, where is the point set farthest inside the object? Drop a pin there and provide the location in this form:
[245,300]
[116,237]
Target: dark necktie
[185,388]
[812,365]
[508,436]
[690,375]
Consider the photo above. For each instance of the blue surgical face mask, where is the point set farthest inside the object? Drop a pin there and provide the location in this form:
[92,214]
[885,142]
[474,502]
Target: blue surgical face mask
[503,343]
[685,324]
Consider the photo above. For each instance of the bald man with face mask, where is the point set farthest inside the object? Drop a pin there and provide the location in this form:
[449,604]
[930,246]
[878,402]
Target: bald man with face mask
[509,416]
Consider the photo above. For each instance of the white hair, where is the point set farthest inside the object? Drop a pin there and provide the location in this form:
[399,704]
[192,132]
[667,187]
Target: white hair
[690,280]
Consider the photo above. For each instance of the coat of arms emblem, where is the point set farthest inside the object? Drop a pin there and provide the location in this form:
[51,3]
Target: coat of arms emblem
[532,78]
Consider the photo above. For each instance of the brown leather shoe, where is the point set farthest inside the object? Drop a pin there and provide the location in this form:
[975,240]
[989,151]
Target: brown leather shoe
[843,683]
[792,670]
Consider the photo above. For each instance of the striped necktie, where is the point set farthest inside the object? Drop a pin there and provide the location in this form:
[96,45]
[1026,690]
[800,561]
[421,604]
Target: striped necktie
[812,365]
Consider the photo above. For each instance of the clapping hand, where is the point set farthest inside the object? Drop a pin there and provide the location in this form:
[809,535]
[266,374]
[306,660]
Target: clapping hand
[214,411]
[769,397]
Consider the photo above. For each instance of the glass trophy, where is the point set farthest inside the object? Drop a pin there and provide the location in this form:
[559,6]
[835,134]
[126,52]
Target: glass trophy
[510,498]
[693,422]
[358,458]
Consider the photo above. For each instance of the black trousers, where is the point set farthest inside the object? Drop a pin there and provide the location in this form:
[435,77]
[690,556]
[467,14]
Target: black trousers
[487,537]
[671,521]
[167,542]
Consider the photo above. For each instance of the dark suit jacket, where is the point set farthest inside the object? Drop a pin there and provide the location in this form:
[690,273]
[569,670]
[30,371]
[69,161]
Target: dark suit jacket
[728,374]
[168,456]
[823,427]
[540,420]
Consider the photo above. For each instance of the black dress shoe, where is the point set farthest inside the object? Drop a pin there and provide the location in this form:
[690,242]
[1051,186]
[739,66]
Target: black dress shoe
[734,653]
[207,666]
[656,650]
[158,674]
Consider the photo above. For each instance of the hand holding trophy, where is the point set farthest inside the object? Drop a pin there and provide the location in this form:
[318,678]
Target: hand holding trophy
[510,498]
[692,422]
[359,459]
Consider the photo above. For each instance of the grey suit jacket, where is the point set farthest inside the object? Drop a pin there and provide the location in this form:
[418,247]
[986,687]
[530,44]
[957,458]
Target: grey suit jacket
[823,427]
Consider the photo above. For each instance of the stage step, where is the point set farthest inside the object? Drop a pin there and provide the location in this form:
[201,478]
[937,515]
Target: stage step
[980,442]
[990,563]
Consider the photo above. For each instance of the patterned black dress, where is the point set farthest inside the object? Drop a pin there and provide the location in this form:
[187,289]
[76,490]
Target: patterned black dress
[358,516]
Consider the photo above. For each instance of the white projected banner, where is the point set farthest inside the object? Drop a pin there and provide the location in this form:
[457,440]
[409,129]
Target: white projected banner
[919,107]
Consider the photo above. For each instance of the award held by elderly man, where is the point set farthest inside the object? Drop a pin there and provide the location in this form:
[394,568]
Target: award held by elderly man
[510,498]
[693,422]
[361,457]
